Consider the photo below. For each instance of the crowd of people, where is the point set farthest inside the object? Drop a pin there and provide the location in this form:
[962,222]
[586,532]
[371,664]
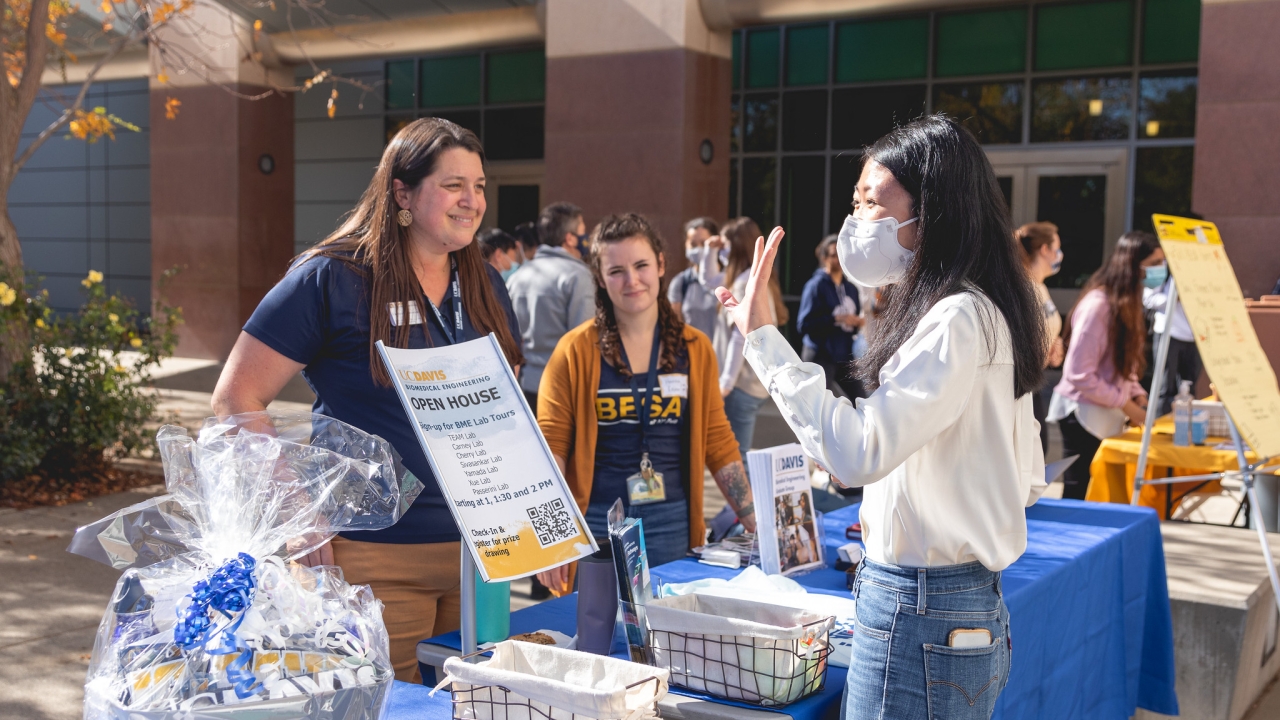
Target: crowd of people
[924,337]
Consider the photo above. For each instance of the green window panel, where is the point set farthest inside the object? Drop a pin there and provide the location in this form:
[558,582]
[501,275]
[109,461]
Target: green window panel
[803,185]
[759,178]
[762,58]
[469,119]
[450,81]
[860,116]
[519,76]
[982,43]
[733,188]
[760,123]
[991,111]
[735,130]
[1065,109]
[804,120]
[1084,35]
[736,59]
[882,49]
[1171,32]
[514,133]
[807,55]
[1162,183]
[400,82]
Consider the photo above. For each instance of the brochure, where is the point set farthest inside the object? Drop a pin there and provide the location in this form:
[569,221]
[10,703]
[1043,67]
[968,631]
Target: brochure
[626,535]
[786,524]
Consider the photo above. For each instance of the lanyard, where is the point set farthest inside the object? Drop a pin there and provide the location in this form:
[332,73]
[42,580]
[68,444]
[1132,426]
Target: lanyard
[455,334]
[642,402]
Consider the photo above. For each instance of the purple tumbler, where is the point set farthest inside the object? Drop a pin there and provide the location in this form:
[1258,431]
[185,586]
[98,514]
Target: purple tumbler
[597,602]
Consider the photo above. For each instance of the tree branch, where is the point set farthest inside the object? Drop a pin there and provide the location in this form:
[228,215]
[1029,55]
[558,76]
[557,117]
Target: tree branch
[116,47]
[33,69]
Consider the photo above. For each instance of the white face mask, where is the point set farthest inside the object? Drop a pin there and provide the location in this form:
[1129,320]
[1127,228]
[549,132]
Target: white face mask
[869,252]
[694,254]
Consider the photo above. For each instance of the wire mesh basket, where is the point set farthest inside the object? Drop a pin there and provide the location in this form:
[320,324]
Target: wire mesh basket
[523,681]
[769,656]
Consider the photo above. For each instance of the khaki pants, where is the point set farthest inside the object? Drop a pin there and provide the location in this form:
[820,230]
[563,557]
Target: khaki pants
[418,586]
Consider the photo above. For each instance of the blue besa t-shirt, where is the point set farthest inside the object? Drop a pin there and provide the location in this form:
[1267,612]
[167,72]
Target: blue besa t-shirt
[618,432]
[318,315]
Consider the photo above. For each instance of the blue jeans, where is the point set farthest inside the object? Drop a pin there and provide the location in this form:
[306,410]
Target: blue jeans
[902,665]
[666,528]
[741,408]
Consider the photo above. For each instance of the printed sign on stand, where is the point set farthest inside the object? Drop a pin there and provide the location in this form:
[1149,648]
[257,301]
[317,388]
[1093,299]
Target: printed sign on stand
[1233,357]
[495,470]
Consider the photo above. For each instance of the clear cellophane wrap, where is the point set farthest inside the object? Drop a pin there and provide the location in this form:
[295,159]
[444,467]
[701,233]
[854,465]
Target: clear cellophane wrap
[211,619]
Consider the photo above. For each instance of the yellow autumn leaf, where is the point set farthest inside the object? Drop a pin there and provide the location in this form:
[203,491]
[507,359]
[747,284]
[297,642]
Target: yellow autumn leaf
[332,106]
[162,77]
[135,343]
[39,323]
[257,25]
[113,317]
[171,106]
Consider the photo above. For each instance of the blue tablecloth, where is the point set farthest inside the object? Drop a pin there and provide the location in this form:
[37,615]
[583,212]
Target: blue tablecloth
[1089,606]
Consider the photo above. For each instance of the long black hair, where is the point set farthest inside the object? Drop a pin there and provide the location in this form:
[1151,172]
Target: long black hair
[966,242]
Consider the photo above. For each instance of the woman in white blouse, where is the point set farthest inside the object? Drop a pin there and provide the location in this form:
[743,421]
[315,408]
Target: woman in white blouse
[946,446]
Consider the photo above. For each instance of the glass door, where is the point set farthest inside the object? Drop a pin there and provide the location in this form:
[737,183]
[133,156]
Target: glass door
[1082,191]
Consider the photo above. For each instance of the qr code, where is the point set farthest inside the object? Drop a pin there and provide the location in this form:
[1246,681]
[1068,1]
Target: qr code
[552,522]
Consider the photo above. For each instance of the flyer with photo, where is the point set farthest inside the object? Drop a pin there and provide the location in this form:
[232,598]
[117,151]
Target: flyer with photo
[786,523]
[495,470]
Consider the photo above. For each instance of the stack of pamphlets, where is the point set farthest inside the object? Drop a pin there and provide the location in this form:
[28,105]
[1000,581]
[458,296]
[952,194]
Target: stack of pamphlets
[786,524]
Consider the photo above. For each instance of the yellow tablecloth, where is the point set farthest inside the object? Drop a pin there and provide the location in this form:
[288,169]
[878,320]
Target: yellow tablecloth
[1113,467]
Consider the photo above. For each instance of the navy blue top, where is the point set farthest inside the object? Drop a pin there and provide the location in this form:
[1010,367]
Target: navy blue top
[618,435]
[815,322]
[318,315]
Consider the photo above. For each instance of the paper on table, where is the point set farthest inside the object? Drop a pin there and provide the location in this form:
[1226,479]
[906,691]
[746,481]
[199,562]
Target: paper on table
[1228,345]
[1054,470]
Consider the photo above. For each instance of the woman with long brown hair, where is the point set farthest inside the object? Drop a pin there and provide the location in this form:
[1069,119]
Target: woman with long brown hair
[403,269]
[628,404]
[742,391]
[1106,355]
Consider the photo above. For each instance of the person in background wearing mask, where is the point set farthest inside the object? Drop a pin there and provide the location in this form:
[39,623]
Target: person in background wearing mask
[501,251]
[1106,354]
[694,304]
[830,316]
[1183,361]
[946,446]
[526,234]
[1042,257]
[553,292]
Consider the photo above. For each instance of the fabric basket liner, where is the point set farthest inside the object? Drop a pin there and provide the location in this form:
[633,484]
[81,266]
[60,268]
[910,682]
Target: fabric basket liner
[712,615]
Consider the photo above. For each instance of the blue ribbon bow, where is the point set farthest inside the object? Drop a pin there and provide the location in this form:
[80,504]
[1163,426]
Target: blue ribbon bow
[229,590]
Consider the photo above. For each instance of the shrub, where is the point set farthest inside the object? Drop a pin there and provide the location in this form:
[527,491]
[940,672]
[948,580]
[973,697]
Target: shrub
[77,398]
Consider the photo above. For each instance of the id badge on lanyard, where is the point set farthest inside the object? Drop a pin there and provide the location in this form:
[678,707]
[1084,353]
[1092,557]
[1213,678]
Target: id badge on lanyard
[453,334]
[647,486]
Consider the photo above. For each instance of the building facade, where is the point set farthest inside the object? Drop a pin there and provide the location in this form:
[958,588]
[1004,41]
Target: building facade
[1095,114]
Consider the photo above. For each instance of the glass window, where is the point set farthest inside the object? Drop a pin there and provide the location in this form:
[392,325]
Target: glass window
[733,188]
[395,123]
[804,120]
[892,49]
[1077,204]
[735,130]
[469,119]
[982,43]
[519,76]
[760,123]
[517,204]
[450,81]
[514,133]
[1167,106]
[807,54]
[845,169]
[991,111]
[1084,35]
[758,177]
[400,82]
[762,58]
[1171,31]
[1094,108]
[803,179]
[1162,183]
[860,116]
[736,60]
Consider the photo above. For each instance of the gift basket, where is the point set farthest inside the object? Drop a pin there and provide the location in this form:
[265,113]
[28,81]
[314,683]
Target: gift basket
[525,681]
[210,619]
[739,649]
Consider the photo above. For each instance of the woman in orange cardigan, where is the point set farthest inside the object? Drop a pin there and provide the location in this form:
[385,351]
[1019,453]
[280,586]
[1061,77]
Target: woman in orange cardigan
[637,353]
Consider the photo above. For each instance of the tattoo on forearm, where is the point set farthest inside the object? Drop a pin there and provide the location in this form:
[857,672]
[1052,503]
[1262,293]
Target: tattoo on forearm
[732,480]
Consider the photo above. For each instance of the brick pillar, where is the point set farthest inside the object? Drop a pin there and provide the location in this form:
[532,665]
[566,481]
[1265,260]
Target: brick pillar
[214,211]
[633,89]
[1237,165]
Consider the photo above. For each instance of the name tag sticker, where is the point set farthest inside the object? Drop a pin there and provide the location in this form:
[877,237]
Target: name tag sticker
[397,313]
[674,385]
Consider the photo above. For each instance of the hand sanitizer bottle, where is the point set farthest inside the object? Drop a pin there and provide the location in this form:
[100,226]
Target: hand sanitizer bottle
[1182,415]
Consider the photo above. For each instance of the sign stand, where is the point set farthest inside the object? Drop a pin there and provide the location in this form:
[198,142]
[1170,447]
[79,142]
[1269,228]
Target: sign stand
[468,609]
[1247,472]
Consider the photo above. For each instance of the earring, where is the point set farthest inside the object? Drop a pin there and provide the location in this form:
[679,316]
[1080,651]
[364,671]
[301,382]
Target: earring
[405,218]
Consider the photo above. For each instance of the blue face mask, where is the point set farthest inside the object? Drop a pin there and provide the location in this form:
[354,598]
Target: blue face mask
[1057,264]
[1155,276]
[507,273]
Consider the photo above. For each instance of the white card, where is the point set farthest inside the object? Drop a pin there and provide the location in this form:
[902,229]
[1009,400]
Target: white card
[674,385]
[397,313]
